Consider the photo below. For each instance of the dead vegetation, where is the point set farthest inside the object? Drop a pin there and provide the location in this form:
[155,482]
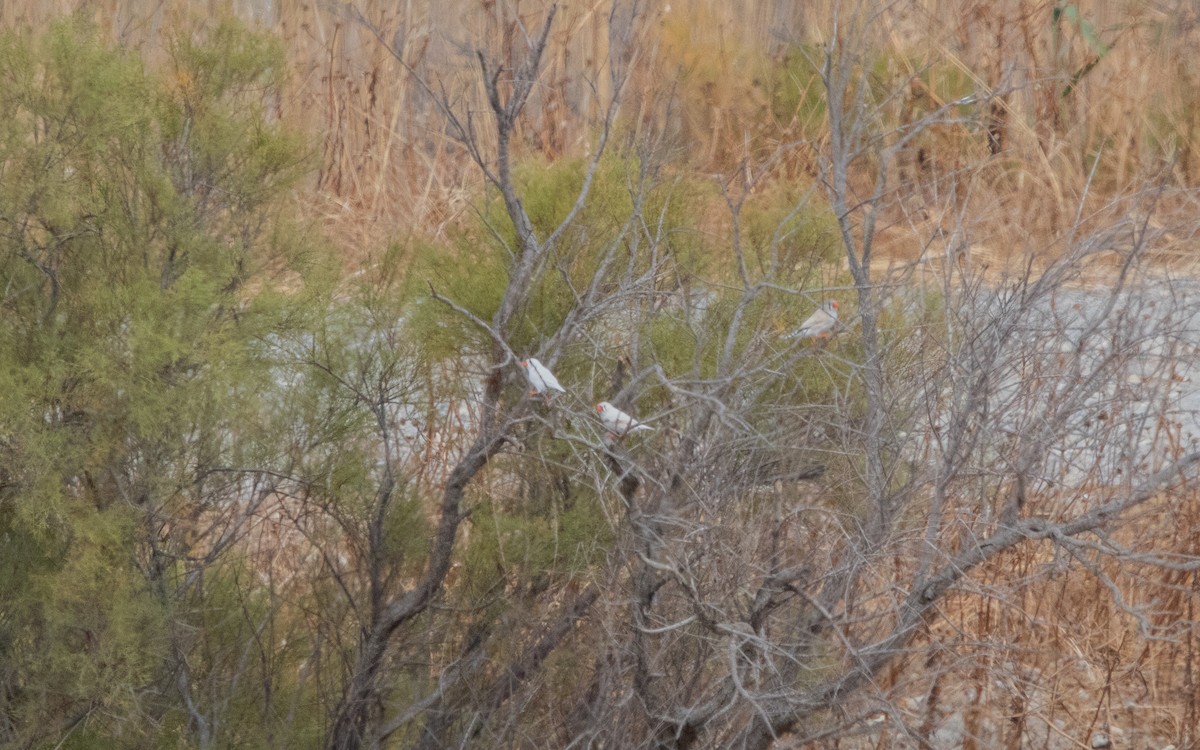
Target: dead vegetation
[1070,106]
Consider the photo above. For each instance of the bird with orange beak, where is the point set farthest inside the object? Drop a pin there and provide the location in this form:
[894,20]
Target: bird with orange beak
[820,324]
[617,422]
[541,381]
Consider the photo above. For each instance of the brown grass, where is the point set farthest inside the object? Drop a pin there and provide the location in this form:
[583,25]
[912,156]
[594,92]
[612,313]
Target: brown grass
[387,168]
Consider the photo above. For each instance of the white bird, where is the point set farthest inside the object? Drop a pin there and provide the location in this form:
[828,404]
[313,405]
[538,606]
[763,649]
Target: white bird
[618,422]
[540,378]
[819,325]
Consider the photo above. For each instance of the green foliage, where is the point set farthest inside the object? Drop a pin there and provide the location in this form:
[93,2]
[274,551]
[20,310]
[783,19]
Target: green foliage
[786,240]
[406,534]
[473,273]
[98,626]
[675,345]
[136,211]
[234,615]
[515,545]
[169,339]
[796,92]
[788,223]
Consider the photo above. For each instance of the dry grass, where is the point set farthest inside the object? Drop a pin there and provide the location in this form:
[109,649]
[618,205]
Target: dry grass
[1039,649]
[706,80]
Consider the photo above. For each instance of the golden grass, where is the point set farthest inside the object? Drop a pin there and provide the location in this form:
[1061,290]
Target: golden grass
[1052,632]
[706,80]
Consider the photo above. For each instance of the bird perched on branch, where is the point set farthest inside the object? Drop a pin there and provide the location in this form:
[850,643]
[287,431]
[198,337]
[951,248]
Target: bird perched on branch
[541,380]
[819,325]
[618,422]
